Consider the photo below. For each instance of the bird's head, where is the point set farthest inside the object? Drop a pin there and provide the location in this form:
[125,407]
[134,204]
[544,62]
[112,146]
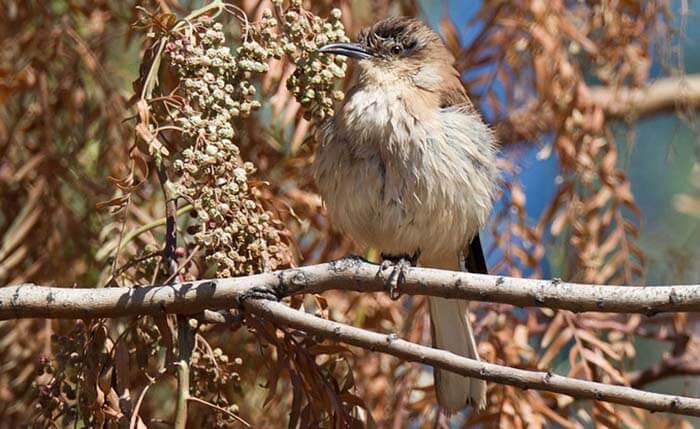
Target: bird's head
[396,48]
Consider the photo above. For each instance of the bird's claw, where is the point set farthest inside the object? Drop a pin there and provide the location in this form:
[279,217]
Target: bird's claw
[399,268]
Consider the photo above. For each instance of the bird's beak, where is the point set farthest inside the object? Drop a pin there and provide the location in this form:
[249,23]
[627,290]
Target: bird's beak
[352,50]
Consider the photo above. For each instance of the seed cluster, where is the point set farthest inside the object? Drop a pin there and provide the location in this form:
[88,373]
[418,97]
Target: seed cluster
[58,381]
[313,81]
[213,375]
[236,233]
[217,82]
[215,89]
[216,85]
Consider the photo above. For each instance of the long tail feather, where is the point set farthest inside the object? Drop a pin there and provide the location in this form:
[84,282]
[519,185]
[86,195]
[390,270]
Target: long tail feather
[451,330]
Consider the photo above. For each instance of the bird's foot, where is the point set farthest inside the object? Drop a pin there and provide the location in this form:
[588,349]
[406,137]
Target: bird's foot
[399,266]
[263,293]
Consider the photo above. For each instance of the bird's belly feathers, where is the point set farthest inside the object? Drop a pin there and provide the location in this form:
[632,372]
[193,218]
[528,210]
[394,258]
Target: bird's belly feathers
[429,189]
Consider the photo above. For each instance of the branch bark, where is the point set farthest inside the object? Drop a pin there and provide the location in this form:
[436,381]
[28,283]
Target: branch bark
[281,314]
[31,301]
[665,94]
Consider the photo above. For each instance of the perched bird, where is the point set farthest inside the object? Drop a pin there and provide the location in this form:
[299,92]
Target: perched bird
[408,167]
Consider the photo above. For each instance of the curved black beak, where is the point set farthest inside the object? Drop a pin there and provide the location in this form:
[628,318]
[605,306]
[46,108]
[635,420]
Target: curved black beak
[352,50]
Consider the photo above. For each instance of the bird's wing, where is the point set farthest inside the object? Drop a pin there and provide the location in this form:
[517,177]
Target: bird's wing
[475,261]
[452,92]
[453,95]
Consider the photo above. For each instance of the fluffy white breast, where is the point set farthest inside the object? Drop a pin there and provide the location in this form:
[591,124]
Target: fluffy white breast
[401,178]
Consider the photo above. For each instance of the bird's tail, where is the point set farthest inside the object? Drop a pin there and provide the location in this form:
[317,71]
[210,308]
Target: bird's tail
[452,331]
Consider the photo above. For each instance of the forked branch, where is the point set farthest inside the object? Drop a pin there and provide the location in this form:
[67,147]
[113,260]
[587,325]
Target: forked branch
[30,301]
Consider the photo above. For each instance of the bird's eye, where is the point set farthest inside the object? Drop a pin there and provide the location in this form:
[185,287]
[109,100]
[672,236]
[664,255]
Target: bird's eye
[396,49]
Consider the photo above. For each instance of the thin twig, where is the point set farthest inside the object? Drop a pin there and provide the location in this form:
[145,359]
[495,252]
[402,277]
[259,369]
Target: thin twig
[665,94]
[150,226]
[581,389]
[183,265]
[170,219]
[185,337]
[680,361]
[133,262]
[670,366]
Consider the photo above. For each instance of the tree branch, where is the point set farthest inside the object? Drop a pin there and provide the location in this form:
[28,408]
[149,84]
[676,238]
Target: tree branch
[30,301]
[281,314]
[355,275]
[682,360]
[665,94]
[670,366]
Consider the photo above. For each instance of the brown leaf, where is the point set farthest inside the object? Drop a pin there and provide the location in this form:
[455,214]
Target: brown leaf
[272,379]
[104,381]
[553,329]
[596,358]
[114,202]
[450,36]
[327,349]
[598,343]
[297,394]
[608,164]
[553,351]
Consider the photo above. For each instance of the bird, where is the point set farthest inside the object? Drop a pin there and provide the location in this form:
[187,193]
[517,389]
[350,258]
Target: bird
[406,165]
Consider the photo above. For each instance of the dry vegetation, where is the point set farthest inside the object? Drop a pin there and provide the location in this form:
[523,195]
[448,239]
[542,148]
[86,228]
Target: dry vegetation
[201,169]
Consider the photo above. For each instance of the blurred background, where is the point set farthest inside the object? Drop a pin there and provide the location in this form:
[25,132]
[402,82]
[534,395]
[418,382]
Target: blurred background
[599,187]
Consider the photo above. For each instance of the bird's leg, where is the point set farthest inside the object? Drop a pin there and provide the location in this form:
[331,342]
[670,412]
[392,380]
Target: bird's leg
[399,266]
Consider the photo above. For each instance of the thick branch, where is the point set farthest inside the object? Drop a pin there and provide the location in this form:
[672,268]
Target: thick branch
[664,94]
[29,301]
[281,314]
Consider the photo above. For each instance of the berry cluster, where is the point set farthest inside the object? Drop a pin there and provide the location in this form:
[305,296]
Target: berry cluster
[234,230]
[216,85]
[313,81]
[59,381]
[214,374]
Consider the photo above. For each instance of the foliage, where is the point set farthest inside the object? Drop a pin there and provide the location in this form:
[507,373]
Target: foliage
[218,121]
